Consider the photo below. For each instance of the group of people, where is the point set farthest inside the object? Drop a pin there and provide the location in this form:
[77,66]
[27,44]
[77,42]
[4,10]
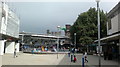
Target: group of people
[108,53]
[74,59]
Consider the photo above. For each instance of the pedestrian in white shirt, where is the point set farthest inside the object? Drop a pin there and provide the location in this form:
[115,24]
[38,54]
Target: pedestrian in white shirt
[85,57]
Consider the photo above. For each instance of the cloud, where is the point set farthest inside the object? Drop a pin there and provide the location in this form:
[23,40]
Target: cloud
[59,0]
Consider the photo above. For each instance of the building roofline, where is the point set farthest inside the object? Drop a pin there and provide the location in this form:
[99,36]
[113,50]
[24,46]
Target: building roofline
[42,35]
[113,9]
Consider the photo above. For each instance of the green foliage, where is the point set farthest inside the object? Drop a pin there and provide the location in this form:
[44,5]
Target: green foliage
[86,26]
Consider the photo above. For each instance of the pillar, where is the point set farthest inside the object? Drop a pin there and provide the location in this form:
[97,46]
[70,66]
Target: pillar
[10,46]
[0,60]
[17,46]
[119,46]
[2,47]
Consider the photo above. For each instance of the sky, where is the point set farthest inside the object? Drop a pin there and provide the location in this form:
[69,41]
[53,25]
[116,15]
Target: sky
[37,17]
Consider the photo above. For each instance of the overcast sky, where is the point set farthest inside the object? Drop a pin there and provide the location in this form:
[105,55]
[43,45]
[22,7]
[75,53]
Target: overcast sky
[37,17]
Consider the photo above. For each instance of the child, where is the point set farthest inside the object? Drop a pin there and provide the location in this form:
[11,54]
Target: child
[75,59]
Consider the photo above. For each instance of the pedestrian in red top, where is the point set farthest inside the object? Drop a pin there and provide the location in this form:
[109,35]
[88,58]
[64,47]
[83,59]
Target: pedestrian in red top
[75,59]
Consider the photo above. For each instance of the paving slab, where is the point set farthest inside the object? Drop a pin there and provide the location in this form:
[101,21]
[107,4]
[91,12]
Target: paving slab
[92,61]
[32,59]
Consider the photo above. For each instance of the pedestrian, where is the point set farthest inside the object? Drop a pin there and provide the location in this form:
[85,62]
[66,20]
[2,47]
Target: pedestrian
[32,51]
[110,54]
[75,50]
[15,55]
[75,59]
[105,53]
[85,57]
[68,54]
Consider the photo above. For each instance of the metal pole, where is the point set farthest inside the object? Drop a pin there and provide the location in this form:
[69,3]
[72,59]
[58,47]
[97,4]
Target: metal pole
[57,47]
[22,40]
[58,42]
[99,35]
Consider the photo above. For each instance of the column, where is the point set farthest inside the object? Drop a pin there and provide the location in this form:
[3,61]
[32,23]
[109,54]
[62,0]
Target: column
[10,46]
[119,46]
[2,47]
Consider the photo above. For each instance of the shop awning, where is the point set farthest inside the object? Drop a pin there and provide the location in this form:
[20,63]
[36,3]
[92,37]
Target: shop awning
[112,37]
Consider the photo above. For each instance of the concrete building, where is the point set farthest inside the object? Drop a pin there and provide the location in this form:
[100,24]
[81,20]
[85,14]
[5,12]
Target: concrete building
[9,30]
[112,41]
[113,25]
[67,31]
[40,39]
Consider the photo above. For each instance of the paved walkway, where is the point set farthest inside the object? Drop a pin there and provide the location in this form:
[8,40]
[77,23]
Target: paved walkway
[92,60]
[32,59]
[51,59]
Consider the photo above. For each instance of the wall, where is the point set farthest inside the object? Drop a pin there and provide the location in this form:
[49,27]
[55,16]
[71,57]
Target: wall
[114,25]
[10,47]
[0,15]
[9,24]
[1,47]
[119,21]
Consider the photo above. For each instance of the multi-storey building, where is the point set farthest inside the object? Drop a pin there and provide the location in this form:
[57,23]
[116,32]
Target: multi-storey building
[9,30]
[113,27]
[112,41]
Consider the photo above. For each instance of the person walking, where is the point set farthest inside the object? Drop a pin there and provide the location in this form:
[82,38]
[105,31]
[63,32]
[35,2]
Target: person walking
[110,54]
[105,52]
[85,57]
[75,59]
[68,54]
[15,55]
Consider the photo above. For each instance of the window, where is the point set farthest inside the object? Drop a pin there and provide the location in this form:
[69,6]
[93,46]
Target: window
[109,24]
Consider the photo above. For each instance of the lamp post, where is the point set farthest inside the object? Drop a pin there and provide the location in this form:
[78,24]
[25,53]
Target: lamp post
[98,19]
[22,39]
[58,27]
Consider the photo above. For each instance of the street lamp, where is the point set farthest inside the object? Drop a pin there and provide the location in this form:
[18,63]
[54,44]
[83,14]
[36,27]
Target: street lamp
[22,38]
[58,27]
[98,31]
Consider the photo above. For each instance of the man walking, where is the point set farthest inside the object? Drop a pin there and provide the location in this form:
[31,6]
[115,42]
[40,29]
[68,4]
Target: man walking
[15,53]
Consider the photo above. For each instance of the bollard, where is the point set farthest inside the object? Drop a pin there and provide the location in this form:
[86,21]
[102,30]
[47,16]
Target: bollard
[71,58]
[82,61]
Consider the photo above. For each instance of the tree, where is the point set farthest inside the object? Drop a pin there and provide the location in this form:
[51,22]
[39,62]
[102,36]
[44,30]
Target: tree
[85,26]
